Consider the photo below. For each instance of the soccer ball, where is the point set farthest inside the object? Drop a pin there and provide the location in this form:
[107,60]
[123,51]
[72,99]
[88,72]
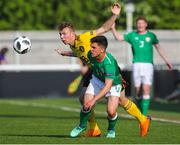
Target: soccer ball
[22,44]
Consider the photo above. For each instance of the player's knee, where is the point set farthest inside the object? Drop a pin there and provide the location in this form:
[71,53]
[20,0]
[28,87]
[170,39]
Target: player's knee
[85,110]
[111,113]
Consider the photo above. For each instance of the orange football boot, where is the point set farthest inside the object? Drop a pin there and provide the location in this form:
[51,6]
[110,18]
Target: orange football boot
[93,133]
[145,127]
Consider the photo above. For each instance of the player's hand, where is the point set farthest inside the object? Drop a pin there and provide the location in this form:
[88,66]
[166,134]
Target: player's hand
[170,66]
[113,26]
[116,8]
[59,51]
[90,104]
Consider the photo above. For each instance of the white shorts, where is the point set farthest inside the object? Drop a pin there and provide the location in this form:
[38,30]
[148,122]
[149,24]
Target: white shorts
[142,73]
[95,86]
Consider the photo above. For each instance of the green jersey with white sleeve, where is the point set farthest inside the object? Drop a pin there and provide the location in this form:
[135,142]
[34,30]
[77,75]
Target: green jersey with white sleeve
[106,69]
[142,45]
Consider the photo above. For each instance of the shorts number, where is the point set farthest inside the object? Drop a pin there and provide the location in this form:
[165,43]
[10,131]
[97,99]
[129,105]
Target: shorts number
[117,88]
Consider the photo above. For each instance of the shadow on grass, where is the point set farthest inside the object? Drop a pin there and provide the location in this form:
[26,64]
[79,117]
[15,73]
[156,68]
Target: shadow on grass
[30,135]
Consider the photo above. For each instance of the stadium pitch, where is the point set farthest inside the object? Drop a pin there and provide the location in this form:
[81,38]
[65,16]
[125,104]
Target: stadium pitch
[49,121]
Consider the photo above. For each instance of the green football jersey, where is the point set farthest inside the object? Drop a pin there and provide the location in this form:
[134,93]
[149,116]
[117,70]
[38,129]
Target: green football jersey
[107,69]
[142,45]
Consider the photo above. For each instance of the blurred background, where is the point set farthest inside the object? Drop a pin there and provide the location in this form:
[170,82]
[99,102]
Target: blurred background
[42,72]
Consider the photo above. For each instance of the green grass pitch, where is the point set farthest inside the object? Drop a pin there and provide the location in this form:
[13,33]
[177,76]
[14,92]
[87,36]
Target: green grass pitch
[49,121]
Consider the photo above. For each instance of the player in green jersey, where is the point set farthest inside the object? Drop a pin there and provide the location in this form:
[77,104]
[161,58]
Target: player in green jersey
[106,81]
[142,42]
[80,45]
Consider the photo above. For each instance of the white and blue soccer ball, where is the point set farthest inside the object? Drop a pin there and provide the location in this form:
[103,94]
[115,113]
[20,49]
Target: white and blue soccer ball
[22,44]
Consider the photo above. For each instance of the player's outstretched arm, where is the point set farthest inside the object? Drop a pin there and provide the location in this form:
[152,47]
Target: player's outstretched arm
[164,57]
[65,53]
[116,9]
[117,35]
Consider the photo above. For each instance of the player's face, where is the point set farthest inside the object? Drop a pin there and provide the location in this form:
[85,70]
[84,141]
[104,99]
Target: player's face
[141,26]
[67,36]
[96,50]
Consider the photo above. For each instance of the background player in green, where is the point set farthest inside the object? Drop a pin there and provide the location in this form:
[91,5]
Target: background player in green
[142,42]
[107,81]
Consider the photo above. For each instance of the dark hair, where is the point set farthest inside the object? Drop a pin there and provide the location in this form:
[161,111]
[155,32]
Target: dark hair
[141,18]
[3,50]
[64,25]
[101,40]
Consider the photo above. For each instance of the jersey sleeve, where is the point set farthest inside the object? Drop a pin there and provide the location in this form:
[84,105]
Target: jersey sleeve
[88,35]
[127,37]
[109,72]
[155,40]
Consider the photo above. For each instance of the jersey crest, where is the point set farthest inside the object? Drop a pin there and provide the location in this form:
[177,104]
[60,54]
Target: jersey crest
[148,39]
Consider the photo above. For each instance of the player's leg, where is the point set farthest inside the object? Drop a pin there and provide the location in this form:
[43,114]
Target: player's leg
[93,126]
[91,90]
[84,117]
[93,130]
[74,85]
[85,114]
[136,71]
[133,110]
[145,102]
[147,82]
[112,106]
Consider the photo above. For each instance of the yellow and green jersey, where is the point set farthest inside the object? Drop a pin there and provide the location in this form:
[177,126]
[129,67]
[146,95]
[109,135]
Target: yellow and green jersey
[82,46]
[106,69]
[142,45]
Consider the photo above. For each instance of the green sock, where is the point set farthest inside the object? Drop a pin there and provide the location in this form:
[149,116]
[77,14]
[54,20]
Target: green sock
[138,102]
[84,117]
[112,123]
[144,106]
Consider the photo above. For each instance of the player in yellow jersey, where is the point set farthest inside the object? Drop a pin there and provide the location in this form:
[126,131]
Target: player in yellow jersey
[80,45]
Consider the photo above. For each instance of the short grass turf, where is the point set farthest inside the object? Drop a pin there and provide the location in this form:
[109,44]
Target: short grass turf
[49,121]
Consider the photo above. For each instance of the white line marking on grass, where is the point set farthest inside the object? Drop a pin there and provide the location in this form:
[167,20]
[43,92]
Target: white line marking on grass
[65,108]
